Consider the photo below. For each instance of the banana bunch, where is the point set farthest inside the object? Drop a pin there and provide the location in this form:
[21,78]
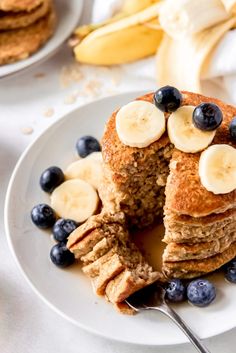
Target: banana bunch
[132,34]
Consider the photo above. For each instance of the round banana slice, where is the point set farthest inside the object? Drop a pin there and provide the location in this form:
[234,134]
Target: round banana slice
[96,156]
[87,169]
[75,199]
[217,169]
[139,123]
[184,135]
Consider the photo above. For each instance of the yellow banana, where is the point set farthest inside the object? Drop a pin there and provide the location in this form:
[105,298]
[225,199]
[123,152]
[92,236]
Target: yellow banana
[125,40]
[129,7]
[133,6]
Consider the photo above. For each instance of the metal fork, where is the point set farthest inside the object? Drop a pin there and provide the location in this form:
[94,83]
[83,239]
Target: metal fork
[153,298]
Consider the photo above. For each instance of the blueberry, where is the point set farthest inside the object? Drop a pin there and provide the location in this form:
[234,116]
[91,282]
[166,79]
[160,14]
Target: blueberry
[51,178]
[232,129]
[43,216]
[176,291]
[207,116]
[86,145]
[62,229]
[168,99]
[230,271]
[61,256]
[201,292]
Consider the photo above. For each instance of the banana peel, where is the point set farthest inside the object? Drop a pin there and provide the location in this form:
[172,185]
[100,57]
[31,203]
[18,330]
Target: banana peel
[123,41]
[230,5]
[185,17]
[181,63]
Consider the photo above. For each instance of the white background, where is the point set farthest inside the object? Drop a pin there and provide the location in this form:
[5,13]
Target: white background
[26,324]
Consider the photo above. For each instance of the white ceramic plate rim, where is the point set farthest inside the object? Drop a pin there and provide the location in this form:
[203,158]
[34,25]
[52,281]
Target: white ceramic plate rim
[217,330]
[47,50]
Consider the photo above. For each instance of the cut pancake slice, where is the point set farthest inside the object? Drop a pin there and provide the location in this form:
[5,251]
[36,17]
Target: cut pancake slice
[130,281]
[106,252]
[94,222]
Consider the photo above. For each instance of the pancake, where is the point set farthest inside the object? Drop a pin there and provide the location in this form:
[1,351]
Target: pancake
[19,5]
[19,44]
[196,268]
[197,251]
[10,20]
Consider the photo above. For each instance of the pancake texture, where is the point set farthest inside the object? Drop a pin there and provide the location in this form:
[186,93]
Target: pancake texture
[19,5]
[21,43]
[11,20]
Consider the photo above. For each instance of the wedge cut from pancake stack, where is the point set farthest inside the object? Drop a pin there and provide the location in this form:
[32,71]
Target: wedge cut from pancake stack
[24,27]
[144,185]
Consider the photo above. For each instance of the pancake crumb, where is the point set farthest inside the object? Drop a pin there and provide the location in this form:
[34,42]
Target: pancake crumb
[40,75]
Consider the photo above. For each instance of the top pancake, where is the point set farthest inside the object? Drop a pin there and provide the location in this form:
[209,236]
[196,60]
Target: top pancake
[19,5]
[12,20]
[184,191]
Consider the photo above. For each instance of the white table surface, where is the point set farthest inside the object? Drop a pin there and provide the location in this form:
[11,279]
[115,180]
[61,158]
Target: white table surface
[26,323]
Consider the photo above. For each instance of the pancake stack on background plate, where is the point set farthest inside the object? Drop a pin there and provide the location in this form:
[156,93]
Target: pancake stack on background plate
[25,25]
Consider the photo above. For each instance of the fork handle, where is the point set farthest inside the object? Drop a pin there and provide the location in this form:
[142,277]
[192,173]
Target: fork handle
[167,310]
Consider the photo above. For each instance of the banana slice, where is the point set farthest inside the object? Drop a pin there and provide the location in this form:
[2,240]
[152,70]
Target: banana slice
[184,135]
[97,156]
[217,169]
[87,169]
[139,123]
[75,199]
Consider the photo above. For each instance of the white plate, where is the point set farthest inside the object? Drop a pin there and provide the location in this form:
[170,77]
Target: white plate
[69,292]
[68,14]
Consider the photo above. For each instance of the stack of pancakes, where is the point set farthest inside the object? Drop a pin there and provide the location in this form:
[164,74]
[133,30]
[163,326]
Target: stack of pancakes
[147,184]
[25,25]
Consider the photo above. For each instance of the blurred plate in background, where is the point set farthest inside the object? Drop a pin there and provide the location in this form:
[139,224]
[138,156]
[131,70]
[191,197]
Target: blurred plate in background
[68,15]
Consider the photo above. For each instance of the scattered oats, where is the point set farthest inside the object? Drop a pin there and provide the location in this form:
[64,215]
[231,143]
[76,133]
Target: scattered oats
[116,77]
[70,74]
[49,112]
[111,91]
[39,75]
[70,99]
[92,88]
[27,130]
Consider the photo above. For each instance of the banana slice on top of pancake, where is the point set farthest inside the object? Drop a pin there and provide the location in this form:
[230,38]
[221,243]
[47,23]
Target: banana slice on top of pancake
[139,123]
